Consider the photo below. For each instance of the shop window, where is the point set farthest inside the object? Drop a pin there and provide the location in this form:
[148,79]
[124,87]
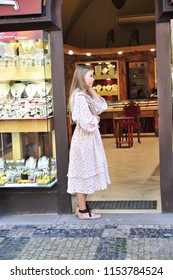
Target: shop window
[27,144]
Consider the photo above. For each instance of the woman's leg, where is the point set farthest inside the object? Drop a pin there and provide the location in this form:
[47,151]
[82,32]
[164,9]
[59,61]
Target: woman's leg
[84,212]
[81,199]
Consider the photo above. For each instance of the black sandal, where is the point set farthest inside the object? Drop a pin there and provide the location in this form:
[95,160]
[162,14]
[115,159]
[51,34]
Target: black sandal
[88,207]
[87,210]
[91,216]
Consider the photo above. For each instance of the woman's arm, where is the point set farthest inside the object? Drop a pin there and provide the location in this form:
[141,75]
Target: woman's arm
[98,101]
[82,115]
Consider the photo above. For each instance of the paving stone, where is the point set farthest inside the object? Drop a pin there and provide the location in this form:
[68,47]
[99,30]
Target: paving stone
[86,241]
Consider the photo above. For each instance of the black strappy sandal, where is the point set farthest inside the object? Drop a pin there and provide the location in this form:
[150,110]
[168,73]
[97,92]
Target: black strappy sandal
[90,216]
[87,207]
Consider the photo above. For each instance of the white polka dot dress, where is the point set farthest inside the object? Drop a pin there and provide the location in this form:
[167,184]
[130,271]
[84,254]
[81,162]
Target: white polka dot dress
[88,170]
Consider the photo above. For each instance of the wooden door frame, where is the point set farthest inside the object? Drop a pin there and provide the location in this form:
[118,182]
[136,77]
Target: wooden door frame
[163,44]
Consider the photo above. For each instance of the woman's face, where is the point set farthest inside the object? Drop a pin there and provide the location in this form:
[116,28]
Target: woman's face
[89,79]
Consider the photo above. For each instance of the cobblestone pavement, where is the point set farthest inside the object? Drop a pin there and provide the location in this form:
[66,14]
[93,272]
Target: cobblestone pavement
[113,237]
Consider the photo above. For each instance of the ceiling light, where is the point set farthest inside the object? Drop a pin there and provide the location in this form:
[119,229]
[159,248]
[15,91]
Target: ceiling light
[152,50]
[70,52]
[88,54]
[120,52]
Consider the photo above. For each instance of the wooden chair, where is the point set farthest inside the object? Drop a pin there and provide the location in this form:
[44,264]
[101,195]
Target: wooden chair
[132,109]
[120,124]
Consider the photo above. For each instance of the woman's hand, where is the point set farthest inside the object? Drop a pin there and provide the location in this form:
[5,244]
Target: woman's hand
[93,93]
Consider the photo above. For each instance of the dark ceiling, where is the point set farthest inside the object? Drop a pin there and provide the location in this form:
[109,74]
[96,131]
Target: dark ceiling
[75,11]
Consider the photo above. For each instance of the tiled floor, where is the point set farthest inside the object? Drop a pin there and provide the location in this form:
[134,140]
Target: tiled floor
[134,174]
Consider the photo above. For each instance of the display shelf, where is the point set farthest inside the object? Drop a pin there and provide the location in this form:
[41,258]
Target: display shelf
[106,74]
[25,73]
[105,77]
[26,125]
[28,185]
[138,72]
[138,86]
[107,93]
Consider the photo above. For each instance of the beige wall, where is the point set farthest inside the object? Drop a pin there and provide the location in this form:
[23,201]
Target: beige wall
[90,28]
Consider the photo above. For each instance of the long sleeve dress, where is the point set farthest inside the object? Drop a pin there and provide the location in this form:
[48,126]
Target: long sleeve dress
[88,170]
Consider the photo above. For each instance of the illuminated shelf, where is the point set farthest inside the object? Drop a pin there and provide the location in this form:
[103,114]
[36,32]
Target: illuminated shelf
[25,73]
[26,125]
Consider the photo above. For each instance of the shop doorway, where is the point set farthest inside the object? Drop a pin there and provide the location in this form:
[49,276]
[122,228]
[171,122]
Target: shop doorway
[135,178]
[134,172]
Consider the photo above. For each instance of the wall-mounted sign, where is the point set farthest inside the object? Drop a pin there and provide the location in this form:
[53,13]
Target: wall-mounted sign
[21,35]
[18,15]
[164,10]
[20,7]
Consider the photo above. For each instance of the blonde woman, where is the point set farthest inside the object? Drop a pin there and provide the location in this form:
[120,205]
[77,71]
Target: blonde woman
[88,170]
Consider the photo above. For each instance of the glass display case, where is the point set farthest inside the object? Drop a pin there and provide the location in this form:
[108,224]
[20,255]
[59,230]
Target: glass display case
[27,144]
[138,80]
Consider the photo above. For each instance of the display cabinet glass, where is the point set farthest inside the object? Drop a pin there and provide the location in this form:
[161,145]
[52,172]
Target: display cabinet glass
[106,75]
[138,80]
[27,145]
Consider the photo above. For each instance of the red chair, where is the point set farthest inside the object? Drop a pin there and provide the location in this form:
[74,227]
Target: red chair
[132,109]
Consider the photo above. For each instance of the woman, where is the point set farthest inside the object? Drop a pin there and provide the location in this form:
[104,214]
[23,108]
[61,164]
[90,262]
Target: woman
[88,171]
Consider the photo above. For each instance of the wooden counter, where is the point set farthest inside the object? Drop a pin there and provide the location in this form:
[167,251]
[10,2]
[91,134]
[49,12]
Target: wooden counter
[150,111]
[146,112]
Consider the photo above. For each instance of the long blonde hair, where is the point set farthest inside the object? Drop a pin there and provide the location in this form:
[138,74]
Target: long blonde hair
[78,82]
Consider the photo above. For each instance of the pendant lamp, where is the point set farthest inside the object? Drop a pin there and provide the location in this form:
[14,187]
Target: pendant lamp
[118,3]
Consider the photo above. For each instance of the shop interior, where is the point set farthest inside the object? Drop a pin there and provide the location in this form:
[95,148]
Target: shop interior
[122,73]
[134,170]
